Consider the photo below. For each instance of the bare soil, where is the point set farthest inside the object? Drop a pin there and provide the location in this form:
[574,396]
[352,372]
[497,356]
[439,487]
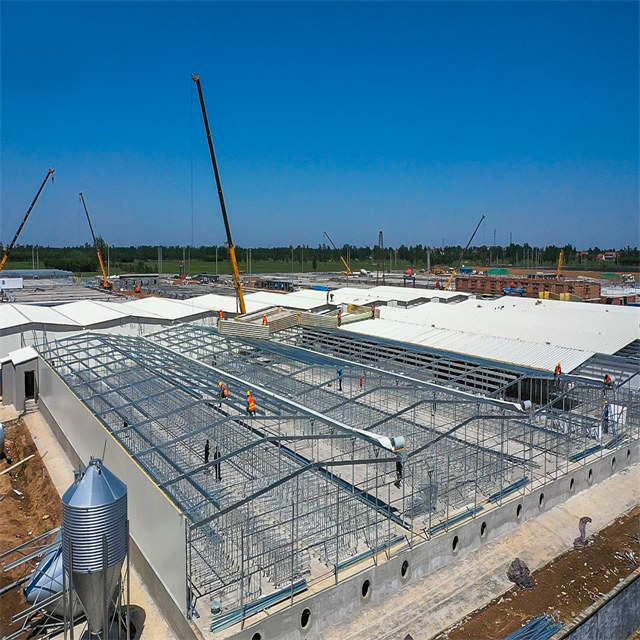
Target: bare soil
[564,587]
[23,517]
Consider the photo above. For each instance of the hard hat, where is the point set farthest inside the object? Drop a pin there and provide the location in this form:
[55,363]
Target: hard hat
[248,393]
[220,383]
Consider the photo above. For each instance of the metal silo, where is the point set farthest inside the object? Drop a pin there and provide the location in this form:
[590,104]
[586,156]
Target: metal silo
[94,538]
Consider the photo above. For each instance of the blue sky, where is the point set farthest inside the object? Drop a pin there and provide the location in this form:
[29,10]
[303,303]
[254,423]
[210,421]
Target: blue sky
[413,118]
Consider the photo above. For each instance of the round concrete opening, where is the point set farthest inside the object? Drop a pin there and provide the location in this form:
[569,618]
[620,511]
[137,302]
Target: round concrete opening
[366,589]
[456,544]
[519,512]
[404,569]
[305,618]
[256,636]
[483,530]
[541,500]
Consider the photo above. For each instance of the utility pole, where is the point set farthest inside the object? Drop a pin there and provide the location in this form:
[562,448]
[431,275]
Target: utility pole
[216,259]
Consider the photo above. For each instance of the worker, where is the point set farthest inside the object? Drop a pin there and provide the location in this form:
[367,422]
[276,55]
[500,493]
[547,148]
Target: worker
[339,317]
[206,452]
[608,383]
[216,456]
[223,392]
[557,373]
[221,315]
[398,473]
[339,379]
[361,381]
[264,320]
[605,417]
[512,285]
[251,404]
[373,310]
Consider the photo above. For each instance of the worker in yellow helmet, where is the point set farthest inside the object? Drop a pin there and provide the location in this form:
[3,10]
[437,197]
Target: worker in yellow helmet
[557,373]
[251,404]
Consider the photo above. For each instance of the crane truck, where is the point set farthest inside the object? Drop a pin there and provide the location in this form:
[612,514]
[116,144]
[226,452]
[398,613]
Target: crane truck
[453,273]
[9,249]
[230,246]
[344,262]
[106,283]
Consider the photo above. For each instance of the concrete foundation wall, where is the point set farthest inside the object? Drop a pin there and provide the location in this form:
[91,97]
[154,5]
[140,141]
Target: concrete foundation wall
[617,619]
[156,526]
[331,606]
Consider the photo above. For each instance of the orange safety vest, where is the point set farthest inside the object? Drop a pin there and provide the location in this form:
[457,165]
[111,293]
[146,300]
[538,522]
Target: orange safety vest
[225,391]
[264,320]
[251,403]
[558,370]
[221,314]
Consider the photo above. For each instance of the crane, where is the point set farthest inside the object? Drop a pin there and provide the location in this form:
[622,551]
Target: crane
[5,257]
[473,235]
[344,262]
[106,283]
[560,261]
[230,246]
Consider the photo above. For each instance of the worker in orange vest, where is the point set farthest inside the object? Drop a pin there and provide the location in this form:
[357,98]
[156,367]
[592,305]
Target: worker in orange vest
[221,315]
[251,404]
[557,373]
[264,320]
[223,392]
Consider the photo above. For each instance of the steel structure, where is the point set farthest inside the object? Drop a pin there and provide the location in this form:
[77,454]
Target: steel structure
[304,488]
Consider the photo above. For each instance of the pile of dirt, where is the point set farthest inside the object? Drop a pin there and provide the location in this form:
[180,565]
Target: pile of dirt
[564,587]
[29,506]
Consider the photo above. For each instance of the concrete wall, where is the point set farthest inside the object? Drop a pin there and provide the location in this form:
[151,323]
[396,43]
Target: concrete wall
[156,526]
[8,373]
[331,606]
[616,619]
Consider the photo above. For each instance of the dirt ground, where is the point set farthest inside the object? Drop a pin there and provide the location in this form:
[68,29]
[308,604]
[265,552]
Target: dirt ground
[23,517]
[565,587]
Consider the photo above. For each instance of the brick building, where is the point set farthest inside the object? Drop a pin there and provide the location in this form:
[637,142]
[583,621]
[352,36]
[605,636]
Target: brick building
[492,285]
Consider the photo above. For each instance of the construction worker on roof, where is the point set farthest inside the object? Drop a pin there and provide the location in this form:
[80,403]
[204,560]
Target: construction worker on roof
[264,320]
[221,315]
[251,404]
[223,392]
[557,373]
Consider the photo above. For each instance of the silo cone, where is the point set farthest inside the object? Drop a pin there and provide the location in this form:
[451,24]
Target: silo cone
[94,509]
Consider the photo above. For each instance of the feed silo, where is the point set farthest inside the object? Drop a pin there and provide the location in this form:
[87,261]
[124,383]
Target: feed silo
[94,538]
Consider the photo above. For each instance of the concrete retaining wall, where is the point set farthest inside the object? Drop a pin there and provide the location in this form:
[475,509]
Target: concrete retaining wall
[156,526]
[331,606]
[615,618]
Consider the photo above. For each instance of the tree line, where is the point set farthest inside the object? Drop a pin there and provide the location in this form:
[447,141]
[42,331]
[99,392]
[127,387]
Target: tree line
[143,258]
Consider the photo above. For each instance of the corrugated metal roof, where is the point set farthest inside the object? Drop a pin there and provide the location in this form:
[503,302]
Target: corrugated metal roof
[43,315]
[302,300]
[166,308]
[88,312]
[590,327]
[11,317]
[522,353]
[22,355]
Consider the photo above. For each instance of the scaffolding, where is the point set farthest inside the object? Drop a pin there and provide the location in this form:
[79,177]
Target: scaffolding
[306,486]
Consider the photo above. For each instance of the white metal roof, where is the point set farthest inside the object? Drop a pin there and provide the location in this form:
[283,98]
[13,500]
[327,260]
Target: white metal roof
[10,317]
[590,327]
[20,356]
[35,314]
[89,312]
[215,302]
[304,300]
[520,352]
[166,308]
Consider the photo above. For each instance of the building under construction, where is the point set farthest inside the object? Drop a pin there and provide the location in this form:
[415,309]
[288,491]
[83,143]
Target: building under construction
[374,456]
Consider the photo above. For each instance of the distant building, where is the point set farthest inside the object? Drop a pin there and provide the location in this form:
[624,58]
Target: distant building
[608,256]
[533,285]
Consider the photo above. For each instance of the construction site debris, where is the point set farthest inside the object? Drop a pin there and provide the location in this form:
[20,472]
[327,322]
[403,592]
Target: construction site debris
[519,573]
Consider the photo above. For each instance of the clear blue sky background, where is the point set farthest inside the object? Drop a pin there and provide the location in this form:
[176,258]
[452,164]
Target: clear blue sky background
[413,118]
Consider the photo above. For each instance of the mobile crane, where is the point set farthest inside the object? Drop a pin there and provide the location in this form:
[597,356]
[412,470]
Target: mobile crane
[230,246]
[560,261]
[5,257]
[106,283]
[453,273]
[344,262]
